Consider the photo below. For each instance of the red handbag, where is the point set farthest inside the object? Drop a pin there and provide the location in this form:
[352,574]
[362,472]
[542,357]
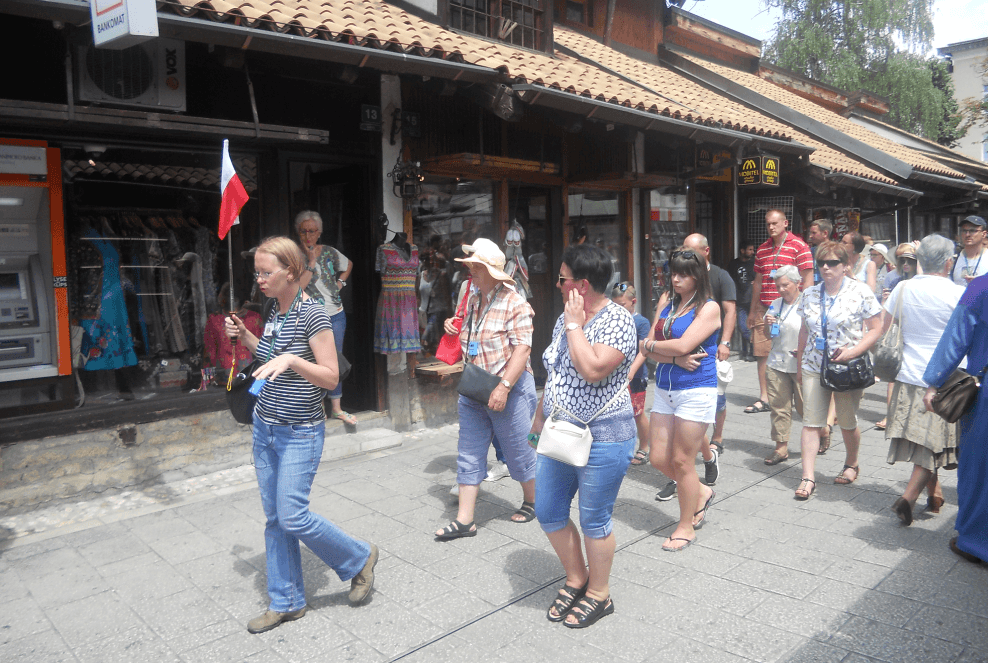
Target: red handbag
[449,349]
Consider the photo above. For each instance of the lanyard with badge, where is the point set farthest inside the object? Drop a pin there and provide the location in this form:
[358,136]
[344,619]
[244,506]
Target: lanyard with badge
[825,310]
[775,257]
[777,325]
[272,330]
[473,347]
[967,271]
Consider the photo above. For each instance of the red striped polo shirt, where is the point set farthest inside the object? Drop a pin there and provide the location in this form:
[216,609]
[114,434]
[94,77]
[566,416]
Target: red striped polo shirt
[794,251]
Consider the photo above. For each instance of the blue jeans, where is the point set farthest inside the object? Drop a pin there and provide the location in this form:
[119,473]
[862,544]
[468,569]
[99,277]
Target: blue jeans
[286,459]
[598,483]
[479,426]
[339,328]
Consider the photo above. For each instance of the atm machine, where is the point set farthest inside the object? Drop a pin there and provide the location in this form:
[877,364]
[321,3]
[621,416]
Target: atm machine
[35,353]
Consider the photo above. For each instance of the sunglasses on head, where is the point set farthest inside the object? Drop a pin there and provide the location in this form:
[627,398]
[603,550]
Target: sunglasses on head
[686,254]
[828,263]
[621,287]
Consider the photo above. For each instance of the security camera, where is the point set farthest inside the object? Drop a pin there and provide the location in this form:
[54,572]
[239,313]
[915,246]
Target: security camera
[94,151]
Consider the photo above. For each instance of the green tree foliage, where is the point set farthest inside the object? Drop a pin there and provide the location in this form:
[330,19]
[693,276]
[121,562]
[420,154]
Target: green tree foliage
[873,45]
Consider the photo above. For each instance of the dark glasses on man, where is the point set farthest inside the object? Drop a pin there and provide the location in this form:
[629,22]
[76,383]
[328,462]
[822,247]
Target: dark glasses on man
[686,254]
[829,263]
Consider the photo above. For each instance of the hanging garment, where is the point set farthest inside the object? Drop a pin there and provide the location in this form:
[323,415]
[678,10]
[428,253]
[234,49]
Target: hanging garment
[207,252]
[396,328]
[515,265]
[113,346]
[198,296]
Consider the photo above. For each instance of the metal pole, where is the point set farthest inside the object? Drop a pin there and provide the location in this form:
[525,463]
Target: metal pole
[229,261]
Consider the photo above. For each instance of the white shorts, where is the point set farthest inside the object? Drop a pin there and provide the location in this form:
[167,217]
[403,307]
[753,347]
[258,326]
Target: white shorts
[699,405]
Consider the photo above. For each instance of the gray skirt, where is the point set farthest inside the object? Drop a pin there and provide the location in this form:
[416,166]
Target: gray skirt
[916,435]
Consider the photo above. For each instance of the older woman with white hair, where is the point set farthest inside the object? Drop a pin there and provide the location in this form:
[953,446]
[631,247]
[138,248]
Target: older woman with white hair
[325,276]
[922,306]
[781,370]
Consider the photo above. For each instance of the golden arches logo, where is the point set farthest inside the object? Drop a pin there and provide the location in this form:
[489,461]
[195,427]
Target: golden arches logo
[770,164]
[750,164]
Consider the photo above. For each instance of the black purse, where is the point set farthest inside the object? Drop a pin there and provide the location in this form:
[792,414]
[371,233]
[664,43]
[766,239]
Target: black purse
[476,383]
[855,374]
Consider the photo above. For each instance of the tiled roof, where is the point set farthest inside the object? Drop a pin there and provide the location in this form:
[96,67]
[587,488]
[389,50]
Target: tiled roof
[377,24]
[706,103]
[197,178]
[918,160]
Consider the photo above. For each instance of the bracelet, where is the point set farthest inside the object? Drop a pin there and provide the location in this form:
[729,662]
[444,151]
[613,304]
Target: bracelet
[650,349]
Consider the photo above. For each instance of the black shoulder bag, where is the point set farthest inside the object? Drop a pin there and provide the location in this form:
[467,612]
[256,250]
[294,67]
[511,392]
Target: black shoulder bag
[476,383]
[855,374]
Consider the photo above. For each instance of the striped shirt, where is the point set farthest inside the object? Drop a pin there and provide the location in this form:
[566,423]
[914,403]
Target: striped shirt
[290,398]
[506,323]
[769,257]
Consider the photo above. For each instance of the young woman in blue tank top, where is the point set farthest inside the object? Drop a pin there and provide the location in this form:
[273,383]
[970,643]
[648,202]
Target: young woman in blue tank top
[683,341]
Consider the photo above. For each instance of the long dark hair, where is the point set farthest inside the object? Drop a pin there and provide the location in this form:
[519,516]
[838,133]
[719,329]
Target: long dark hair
[687,262]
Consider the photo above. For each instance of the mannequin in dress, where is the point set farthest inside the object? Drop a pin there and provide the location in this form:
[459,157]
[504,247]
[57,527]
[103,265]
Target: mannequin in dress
[396,328]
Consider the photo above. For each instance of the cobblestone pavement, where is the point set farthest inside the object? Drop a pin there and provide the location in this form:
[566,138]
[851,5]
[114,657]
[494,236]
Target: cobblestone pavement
[173,573]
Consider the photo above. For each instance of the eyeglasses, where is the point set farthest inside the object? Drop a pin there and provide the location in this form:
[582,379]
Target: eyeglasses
[971,231]
[309,232]
[564,279]
[909,258]
[264,276]
[686,254]
[621,287]
[828,263]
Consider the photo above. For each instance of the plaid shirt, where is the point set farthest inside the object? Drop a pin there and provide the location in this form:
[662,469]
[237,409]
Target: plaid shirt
[507,323]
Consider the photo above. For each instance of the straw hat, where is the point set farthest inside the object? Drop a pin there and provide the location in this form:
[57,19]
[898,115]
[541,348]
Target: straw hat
[884,250]
[485,252]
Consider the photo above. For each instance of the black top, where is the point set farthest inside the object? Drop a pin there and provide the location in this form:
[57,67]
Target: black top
[743,273]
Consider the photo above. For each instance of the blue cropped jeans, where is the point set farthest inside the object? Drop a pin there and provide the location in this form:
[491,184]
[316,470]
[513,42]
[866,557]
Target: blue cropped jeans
[286,459]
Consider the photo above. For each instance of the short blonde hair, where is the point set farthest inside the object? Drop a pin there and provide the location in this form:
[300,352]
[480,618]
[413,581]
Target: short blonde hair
[286,252]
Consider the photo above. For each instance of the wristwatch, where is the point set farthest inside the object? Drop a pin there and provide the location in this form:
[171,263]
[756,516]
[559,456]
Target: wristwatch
[506,384]
[342,282]
[726,344]
[570,326]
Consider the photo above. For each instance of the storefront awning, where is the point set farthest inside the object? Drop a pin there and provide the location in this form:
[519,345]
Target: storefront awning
[484,167]
[843,179]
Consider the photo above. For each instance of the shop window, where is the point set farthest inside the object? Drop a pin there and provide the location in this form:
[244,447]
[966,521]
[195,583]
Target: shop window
[574,11]
[668,227]
[755,230]
[597,216]
[447,214]
[518,22]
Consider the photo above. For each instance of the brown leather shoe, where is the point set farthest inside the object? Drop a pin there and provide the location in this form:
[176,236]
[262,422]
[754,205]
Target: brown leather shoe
[271,619]
[363,582]
[904,510]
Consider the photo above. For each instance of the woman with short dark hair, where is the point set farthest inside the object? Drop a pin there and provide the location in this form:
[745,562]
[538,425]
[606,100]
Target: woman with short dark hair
[593,346]
[683,341]
[853,325]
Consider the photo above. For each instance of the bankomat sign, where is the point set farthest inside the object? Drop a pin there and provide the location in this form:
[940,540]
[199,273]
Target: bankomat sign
[759,170]
[123,23]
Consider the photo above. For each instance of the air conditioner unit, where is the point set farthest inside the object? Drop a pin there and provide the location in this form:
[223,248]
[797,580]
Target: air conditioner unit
[150,75]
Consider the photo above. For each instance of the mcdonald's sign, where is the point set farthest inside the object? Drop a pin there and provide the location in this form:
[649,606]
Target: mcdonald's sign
[759,170]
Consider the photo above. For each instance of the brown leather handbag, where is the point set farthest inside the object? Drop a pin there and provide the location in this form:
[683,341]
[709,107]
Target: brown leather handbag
[957,395]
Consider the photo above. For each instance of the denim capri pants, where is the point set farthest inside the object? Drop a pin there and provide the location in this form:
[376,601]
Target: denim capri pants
[479,425]
[598,484]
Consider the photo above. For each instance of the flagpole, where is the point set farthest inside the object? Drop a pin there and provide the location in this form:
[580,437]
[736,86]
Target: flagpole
[229,265]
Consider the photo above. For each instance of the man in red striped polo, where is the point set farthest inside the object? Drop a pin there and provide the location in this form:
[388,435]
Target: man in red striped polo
[781,248]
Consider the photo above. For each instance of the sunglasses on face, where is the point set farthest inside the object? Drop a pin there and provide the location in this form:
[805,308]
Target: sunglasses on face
[828,263]
[564,279]
[909,258]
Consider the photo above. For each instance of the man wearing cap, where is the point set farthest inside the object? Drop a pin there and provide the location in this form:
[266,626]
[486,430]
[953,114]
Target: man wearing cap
[972,261]
[496,336]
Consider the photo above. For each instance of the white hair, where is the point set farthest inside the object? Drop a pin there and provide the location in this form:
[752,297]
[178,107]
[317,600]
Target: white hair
[788,272]
[933,253]
[304,216]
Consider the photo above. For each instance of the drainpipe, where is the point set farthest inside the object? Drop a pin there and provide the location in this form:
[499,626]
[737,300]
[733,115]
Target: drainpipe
[608,21]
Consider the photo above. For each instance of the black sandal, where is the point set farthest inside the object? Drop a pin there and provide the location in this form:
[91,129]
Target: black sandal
[706,506]
[526,511]
[564,601]
[456,530]
[589,617]
[807,494]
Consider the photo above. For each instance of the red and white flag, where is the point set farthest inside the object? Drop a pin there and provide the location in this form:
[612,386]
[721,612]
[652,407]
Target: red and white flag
[234,194]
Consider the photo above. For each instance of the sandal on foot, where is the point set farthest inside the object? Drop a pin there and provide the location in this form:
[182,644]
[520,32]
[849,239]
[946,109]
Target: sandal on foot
[776,458]
[667,548]
[881,424]
[588,617]
[641,457]
[717,445]
[346,418]
[843,480]
[526,511]
[756,408]
[565,600]
[933,503]
[824,442]
[703,512]
[457,530]
[802,493]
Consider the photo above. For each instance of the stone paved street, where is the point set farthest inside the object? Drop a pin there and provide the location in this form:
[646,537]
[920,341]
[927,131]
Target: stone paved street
[174,573]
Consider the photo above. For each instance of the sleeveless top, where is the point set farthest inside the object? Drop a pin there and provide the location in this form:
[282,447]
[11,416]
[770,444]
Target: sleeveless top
[674,378]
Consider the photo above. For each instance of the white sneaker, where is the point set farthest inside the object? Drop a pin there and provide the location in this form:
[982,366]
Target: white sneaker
[497,471]
[455,490]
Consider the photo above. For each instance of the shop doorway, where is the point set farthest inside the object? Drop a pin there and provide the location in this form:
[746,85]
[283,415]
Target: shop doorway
[340,193]
[531,208]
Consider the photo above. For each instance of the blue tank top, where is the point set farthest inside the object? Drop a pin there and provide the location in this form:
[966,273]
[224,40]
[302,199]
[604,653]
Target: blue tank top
[673,378]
